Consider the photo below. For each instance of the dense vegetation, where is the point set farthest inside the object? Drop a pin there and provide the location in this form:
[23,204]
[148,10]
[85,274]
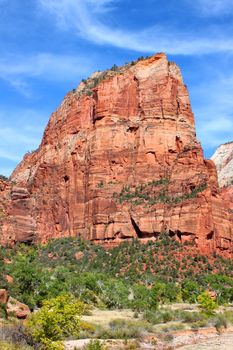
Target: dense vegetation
[132,275]
[63,276]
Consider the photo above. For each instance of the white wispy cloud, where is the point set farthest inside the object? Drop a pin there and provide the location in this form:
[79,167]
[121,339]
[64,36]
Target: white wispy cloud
[10,135]
[214,114]
[9,156]
[214,132]
[17,69]
[86,17]
[210,8]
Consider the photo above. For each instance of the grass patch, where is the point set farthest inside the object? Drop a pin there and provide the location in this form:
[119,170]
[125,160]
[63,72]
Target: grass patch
[122,329]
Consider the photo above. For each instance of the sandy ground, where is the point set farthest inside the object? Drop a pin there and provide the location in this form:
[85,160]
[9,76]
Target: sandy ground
[203,339]
[111,344]
[103,317]
[221,342]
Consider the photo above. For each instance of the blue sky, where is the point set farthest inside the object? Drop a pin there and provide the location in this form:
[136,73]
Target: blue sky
[48,46]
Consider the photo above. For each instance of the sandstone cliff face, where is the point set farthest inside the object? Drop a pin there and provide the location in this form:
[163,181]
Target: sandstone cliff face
[223,159]
[16,223]
[120,159]
[4,214]
[227,193]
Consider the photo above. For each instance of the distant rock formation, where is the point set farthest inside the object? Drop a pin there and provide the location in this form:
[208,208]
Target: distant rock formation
[120,159]
[223,159]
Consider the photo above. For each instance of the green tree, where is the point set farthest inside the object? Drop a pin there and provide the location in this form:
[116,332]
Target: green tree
[58,318]
[190,291]
[143,298]
[165,292]
[27,277]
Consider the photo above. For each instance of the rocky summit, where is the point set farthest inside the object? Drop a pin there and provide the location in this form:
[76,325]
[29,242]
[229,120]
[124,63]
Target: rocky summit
[120,159]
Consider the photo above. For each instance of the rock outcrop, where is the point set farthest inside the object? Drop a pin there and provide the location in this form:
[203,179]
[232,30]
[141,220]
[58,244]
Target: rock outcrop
[120,159]
[13,307]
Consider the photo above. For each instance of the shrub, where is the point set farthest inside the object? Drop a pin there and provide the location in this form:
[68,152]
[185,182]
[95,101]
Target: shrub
[191,317]
[3,177]
[95,345]
[13,337]
[190,290]
[220,323]
[100,184]
[228,316]
[115,294]
[122,329]
[158,316]
[206,303]
[57,319]
[143,298]
[173,327]
[6,345]
[3,313]
[199,324]
[114,68]
[165,292]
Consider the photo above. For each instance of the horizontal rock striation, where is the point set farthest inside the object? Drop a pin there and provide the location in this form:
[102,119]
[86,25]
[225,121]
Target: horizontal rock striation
[120,159]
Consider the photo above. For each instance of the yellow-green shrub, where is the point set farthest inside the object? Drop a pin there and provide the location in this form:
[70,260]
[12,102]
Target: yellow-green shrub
[206,303]
[57,319]
[5,345]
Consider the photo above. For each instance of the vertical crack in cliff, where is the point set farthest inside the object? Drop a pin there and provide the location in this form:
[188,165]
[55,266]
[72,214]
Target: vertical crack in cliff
[139,233]
[136,128]
[140,109]
[136,228]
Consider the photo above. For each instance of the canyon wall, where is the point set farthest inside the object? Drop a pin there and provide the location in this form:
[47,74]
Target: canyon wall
[120,159]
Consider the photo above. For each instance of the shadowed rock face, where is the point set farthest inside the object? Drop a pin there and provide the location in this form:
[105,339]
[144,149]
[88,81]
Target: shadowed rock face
[120,159]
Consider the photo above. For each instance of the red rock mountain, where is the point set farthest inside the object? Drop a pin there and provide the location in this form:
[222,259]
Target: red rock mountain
[120,159]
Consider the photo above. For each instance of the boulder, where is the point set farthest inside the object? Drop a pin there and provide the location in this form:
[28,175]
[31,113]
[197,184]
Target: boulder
[17,309]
